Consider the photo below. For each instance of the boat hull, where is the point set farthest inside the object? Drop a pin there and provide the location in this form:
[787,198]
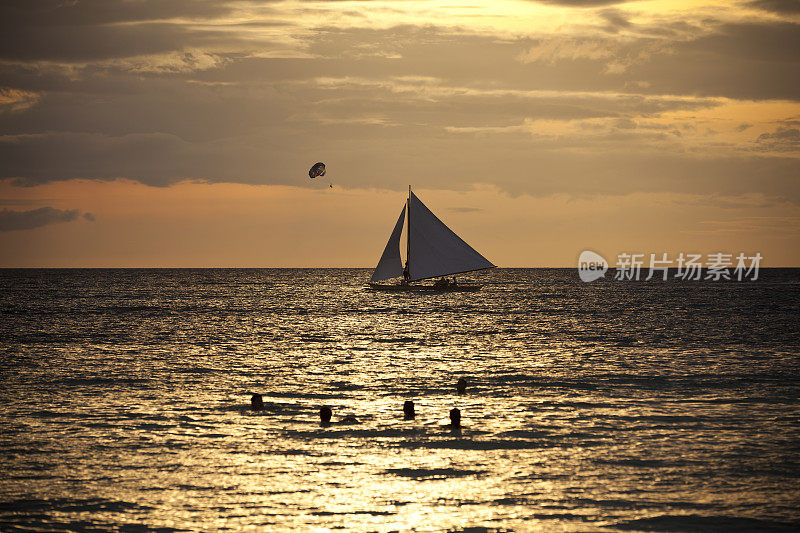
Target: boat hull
[421,288]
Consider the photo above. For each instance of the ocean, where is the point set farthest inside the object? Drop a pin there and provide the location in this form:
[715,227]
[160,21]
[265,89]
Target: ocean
[604,406]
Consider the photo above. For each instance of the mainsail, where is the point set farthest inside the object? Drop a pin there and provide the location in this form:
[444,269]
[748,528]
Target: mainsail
[390,265]
[433,249]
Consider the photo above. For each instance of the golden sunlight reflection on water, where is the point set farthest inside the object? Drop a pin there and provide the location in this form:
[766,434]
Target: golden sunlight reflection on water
[587,407]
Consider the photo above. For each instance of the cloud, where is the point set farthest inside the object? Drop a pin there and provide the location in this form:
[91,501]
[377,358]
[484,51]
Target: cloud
[580,3]
[742,60]
[194,93]
[617,20]
[783,139]
[554,50]
[706,60]
[737,203]
[670,56]
[273,129]
[54,13]
[155,159]
[16,100]
[37,218]
[96,30]
[73,43]
[789,7]
[616,162]
[763,41]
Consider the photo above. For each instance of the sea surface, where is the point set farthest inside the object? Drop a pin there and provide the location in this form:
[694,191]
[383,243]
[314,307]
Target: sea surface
[604,406]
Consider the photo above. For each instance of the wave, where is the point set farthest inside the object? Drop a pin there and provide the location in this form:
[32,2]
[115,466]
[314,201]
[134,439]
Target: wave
[68,505]
[479,445]
[83,382]
[699,523]
[433,473]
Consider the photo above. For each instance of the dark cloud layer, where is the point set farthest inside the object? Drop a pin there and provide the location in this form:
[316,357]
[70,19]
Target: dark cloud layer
[756,60]
[52,13]
[783,139]
[36,218]
[91,30]
[356,157]
[778,6]
[118,89]
[90,43]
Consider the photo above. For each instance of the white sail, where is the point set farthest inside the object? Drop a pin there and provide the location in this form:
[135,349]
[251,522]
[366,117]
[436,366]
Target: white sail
[434,250]
[390,265]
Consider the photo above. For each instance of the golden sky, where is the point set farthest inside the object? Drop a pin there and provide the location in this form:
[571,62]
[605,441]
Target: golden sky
[180,133]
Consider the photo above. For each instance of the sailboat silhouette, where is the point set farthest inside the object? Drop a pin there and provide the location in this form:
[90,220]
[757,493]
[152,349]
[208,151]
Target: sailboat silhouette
[432,251]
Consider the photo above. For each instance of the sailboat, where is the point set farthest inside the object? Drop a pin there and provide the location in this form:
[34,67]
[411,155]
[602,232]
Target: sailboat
[432,251]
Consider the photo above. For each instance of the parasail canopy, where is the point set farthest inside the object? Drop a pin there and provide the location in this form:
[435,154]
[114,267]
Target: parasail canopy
[317,170]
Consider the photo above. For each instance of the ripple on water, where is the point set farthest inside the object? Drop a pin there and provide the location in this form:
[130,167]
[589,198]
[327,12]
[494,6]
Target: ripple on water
[125,398]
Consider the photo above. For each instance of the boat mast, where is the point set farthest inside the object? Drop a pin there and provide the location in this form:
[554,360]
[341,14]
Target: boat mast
[408,232]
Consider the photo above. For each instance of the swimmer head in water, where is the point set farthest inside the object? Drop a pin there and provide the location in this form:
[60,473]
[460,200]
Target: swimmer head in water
[455,417]
[325,415]
[408,410]
[257,402]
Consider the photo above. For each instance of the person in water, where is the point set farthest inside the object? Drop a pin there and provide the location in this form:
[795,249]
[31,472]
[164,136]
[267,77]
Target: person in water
[455,417]
[325,416]
[408,410]
[257,402]
[461,386]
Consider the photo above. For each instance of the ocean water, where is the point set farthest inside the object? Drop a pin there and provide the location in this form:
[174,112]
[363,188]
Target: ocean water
[610,406]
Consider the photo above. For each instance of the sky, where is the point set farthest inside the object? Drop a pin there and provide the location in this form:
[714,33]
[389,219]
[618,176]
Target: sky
[179,133]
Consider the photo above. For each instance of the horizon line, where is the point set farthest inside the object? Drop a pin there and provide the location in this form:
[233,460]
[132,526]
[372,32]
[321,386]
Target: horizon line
[643,268]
